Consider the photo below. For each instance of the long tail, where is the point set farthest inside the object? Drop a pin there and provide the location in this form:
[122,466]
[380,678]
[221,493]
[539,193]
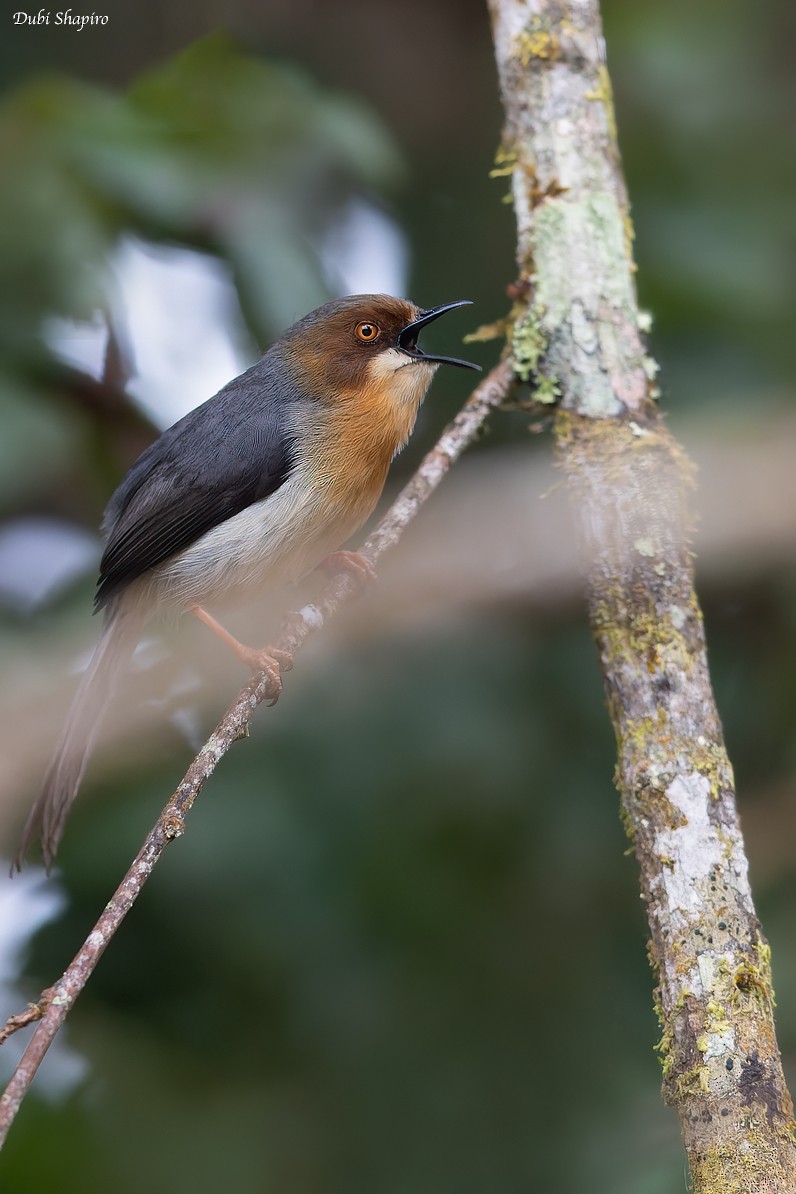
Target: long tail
[48,816]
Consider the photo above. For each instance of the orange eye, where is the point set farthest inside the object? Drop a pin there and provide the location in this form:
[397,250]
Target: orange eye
[368,332]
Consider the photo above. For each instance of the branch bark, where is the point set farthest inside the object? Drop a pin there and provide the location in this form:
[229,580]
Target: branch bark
[578,340]
[55,1003]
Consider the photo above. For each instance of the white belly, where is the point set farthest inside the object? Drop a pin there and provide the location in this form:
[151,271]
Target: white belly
[274,541]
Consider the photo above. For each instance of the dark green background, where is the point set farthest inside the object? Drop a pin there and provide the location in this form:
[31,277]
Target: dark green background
[400,948]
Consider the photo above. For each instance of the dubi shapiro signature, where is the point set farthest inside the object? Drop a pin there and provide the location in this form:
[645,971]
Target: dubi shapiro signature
[76,20]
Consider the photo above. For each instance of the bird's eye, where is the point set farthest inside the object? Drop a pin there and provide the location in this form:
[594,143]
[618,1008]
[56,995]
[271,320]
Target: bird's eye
[368,332]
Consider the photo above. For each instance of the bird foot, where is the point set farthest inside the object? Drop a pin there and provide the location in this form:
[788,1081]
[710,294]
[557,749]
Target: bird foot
[270,660]
[352,562]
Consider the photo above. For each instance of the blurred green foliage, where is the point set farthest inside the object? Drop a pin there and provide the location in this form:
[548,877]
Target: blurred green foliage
[215,148]
[399,948]
[705,96]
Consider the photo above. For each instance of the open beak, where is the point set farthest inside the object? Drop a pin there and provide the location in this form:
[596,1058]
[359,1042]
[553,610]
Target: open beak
[407,339]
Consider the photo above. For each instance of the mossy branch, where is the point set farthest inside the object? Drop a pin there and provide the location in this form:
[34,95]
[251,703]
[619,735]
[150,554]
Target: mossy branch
[630,485]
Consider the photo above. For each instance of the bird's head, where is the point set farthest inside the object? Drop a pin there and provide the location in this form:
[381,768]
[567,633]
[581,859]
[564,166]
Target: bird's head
[367,341]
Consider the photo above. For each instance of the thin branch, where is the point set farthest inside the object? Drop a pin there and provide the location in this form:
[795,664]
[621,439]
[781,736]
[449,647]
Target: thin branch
[630,484]
[32,1013]
[55,1003]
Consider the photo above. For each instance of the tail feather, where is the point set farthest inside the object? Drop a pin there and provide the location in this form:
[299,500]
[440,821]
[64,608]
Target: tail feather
[65,773]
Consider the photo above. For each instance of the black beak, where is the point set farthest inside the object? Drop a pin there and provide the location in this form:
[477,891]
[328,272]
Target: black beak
[407,339]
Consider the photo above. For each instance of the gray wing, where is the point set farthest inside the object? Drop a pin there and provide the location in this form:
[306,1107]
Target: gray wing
[222,457]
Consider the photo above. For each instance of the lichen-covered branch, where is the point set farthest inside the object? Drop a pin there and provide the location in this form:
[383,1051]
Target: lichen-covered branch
[578,341]
[54,1004]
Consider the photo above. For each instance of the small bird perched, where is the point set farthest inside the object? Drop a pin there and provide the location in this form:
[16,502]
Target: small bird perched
[253,489]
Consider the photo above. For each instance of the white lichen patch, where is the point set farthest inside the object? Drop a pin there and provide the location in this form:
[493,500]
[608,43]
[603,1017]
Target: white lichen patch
[211,747]
[704,978]
[694,847]
[312,616]
[678,616]
[716,1044]
[645,547]
[705,974]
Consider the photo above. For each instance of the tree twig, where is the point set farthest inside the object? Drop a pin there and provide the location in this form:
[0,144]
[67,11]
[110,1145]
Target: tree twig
[629,483]
[32,1013]
[55,1003]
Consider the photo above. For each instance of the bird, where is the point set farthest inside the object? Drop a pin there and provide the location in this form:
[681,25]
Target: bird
[249,491]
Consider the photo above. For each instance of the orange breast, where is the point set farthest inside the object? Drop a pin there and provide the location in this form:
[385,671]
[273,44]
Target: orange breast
[361,433]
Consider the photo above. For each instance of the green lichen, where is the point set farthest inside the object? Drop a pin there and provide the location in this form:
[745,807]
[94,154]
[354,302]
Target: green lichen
[504,167]
[499,330]
[690,1084]
[537,40]
[547,390]
[677,1086]
[717,1022]
[529,345]
[628,822]
[753,1161]
[603,93]
[630,236]
[665,1051]
[665,1046]
[754,980]
[612,446]
[505,162]
[710,759]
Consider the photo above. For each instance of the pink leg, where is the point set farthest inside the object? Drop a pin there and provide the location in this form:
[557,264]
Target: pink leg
[270,660]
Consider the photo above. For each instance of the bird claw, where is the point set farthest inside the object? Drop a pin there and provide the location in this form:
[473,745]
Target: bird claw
[352,562]
[271,661]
